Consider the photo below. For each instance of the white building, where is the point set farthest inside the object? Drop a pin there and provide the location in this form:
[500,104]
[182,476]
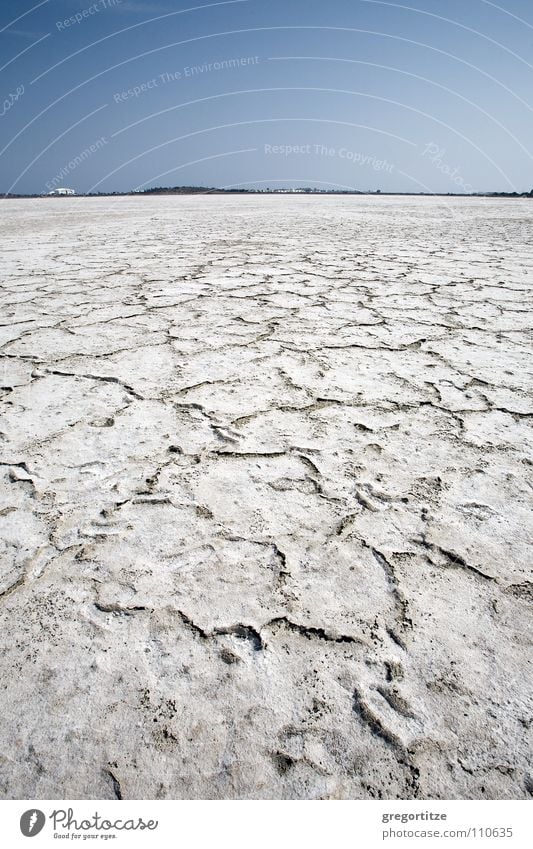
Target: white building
[61,192]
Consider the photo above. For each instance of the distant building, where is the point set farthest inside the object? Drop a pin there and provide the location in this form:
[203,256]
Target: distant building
[61,192]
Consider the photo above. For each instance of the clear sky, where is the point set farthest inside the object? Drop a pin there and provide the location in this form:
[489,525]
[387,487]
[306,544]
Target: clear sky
[423,95]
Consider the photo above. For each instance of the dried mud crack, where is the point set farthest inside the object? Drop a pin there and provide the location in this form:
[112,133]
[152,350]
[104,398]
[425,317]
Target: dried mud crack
[266,502]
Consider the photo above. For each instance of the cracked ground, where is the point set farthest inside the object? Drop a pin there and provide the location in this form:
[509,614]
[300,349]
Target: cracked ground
[267,488]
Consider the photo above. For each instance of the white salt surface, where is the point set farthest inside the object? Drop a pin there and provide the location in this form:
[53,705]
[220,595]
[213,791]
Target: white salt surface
[267,479]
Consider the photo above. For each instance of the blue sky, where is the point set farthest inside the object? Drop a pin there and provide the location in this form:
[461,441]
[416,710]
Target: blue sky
[414,96]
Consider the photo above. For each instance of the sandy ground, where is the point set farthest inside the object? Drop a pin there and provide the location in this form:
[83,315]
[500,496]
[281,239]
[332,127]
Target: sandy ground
[265,501]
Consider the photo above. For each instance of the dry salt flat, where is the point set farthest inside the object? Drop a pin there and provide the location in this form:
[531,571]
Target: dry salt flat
[266,491]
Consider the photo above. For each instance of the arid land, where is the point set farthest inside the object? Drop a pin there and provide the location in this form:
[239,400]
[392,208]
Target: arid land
[266,504]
